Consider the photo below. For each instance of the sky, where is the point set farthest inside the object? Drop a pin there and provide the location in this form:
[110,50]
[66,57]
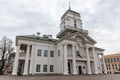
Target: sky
[26,17]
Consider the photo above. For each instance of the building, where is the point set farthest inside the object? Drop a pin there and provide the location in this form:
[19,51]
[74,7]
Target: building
[112,62]
[72,53]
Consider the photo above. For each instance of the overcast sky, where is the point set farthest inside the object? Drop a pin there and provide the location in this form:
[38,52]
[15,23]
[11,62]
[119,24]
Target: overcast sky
[26,17]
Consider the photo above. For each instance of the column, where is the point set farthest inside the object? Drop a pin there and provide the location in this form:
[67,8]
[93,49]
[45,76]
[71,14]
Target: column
[32,60]
[104,65]
[65,60]
[26,61]
[100,64]
[74,60]
[95,61]
[15,66]
[88,62]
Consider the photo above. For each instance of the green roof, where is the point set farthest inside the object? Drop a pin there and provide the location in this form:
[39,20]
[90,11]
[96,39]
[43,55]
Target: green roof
[38,38]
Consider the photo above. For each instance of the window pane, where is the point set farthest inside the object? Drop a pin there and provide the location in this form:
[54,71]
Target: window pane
[44,68]
[39,52]
[51,68]
[51,53]
[58,52]
[37,68]
[46,53]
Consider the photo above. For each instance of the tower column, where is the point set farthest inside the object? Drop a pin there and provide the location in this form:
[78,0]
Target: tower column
[74,60]
[88,61]
[65,60]
[15,66]
[95,61]
[26,61]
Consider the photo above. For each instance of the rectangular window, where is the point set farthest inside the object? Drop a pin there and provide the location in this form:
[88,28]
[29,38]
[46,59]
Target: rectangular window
[39,52]
[51,68]
[44,68]
[51,53]
[58,52]
[45,53]
[75,25]
[37,68]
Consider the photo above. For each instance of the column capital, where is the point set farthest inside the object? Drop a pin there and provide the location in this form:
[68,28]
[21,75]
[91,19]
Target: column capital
[73,45]
[65,44]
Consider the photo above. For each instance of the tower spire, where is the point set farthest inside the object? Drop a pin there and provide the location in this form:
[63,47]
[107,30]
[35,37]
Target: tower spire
[69,6]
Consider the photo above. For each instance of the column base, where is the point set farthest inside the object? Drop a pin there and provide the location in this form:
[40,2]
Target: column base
[74,73]
[95,72]
[14,74]
[25,73]
[65,73]
[89,73]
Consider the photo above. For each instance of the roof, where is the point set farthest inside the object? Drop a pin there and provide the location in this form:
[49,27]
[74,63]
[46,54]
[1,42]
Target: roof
[71,12]
[37,38]
[112,55]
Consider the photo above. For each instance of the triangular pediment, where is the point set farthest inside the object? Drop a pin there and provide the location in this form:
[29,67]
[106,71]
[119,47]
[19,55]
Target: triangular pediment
[80,37]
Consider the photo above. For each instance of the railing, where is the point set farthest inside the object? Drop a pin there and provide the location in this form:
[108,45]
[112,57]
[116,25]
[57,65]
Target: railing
[22,55]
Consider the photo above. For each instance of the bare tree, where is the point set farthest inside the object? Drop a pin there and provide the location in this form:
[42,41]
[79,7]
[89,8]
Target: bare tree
[6,47]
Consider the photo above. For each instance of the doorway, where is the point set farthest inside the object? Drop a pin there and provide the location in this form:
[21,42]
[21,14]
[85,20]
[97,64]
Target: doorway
[80,69]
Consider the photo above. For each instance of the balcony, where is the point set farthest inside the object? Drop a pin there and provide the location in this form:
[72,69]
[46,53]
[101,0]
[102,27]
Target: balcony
[23,55]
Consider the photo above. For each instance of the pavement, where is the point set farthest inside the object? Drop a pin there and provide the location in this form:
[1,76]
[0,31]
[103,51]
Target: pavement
[61,77]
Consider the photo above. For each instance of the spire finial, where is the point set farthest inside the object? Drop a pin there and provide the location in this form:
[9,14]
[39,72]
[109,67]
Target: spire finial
[69,6]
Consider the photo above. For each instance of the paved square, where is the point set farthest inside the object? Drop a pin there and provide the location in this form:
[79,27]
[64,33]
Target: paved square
[60,77]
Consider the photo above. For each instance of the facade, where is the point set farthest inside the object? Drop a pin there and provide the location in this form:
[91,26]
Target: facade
[72,53]
[112,63]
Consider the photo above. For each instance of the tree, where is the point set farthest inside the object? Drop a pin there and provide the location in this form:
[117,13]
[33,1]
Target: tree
[6,47]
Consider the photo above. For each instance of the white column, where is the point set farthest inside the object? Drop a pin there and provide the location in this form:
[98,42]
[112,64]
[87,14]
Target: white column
[100,66]
[74,60]
[26,61]
[32,60]
[104,65]
[88,62]
[15,66]
[65,60]
[95,61]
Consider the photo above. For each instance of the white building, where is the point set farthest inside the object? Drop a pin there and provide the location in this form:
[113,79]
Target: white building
[73,53]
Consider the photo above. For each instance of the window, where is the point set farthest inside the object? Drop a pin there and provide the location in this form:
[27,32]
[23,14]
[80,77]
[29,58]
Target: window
[46,53]
[44,68]
[39,52]
[114,59]
[37,68]
[75,24]
[58,52]
[51,68]
[51,53]
[111,60]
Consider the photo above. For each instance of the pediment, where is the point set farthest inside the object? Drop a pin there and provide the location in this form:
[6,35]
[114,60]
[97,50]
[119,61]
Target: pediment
[81,37]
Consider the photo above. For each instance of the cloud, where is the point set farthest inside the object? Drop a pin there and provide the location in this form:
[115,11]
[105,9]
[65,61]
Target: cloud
[100,18]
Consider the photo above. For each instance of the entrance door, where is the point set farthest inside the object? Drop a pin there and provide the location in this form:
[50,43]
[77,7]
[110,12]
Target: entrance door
[80,69]
[69,71]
